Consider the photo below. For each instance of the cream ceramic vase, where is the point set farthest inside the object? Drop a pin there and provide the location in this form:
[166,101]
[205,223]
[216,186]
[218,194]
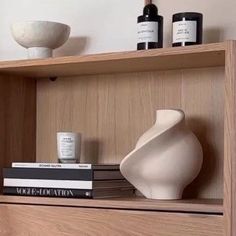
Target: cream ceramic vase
[166,158]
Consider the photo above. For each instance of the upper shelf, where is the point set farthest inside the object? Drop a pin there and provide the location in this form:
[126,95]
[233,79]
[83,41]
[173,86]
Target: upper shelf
[206,55]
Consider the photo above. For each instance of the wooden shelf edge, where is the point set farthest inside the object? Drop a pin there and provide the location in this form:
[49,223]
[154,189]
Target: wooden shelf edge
[115,55]
[210,206]
[119,62]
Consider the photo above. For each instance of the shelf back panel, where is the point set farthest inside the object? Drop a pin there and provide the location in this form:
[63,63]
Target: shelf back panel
[17,120]
[112,111]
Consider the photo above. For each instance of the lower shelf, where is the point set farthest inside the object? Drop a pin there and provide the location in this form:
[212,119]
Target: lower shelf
[208,206]
[21,219]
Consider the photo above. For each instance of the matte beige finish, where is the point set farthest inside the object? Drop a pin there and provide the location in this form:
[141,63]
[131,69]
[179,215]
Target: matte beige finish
[135,203]
[206,55]
[113,111]
[17,220]
[17,120]
[166,158]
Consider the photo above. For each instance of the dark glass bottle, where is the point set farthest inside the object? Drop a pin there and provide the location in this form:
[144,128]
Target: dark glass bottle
[150,28]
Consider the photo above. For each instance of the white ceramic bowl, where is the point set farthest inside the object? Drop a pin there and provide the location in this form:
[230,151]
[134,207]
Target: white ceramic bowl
[40,37]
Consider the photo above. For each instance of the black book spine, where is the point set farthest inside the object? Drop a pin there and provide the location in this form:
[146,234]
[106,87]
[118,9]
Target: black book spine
[44,173]
[48,192]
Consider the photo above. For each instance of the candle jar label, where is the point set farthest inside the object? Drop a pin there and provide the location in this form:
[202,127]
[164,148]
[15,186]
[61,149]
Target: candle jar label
[185,31]
[67,147]
[148,32]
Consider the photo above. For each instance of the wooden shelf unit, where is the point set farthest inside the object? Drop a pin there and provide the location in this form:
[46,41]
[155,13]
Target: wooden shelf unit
[112,98]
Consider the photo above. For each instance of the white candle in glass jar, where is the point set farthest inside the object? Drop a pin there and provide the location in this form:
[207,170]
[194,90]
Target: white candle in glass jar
[68,147]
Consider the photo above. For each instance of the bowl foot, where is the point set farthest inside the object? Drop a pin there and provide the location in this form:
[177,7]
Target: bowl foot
[39,52]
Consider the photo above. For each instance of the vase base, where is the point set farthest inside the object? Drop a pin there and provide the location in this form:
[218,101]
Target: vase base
[164,193]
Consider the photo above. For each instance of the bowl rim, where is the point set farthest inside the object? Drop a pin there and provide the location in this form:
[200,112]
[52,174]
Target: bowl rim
[39,21]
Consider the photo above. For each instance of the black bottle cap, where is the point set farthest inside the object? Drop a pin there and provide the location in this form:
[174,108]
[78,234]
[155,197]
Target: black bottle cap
[150,10]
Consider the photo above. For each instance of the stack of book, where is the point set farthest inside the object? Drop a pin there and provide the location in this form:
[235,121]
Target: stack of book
[65,180]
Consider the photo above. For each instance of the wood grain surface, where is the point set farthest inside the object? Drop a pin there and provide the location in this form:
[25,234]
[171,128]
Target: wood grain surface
[112,111]
[230,142]
[16,220]
[206,55]
[112,101]
[17,120]
[133,203]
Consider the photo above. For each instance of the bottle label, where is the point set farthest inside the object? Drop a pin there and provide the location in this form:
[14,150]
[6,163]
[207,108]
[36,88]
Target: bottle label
[185,31]
[148,32]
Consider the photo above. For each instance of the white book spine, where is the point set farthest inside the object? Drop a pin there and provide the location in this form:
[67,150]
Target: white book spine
[45,183]
[51,165]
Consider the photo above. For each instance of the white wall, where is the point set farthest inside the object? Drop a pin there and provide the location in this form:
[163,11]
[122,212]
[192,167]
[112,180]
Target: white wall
[109,25]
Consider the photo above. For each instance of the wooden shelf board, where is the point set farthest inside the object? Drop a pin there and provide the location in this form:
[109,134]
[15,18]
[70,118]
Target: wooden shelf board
[214,206]
[206,55]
